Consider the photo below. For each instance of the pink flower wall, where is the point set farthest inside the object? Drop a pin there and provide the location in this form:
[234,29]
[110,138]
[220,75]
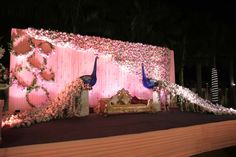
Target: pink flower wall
[43,62]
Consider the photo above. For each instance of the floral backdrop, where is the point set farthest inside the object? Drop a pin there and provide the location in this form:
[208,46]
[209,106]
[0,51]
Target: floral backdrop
[44,61]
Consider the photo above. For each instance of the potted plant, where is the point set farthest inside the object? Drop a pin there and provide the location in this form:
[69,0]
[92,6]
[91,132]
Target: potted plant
[4,79]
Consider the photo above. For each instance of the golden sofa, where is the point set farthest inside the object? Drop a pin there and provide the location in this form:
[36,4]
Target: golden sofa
[123,102]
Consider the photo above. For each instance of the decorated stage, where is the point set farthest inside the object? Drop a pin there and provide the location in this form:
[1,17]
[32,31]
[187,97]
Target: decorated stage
[51,87]
[172,133]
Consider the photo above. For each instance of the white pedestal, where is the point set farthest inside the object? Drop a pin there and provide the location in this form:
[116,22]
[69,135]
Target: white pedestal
[81,107]
[156,101]
[84,110]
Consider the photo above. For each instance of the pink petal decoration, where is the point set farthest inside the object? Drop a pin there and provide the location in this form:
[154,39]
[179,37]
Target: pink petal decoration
[17,33]
[37,61]
[46,48]
[24,77]
[47,75]
[22,46]
[36,42]
[37,97]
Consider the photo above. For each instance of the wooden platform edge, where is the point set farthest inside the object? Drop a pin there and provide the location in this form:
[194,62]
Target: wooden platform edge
[184,141]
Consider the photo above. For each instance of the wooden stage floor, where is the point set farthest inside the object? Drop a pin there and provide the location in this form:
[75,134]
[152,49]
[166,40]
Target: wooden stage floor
[172,133]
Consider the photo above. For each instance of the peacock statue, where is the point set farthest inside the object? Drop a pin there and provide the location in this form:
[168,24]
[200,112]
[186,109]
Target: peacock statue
[148,82]
[91,79]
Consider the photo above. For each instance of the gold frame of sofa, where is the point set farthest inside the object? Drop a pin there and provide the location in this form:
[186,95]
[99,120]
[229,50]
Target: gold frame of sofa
[106,108]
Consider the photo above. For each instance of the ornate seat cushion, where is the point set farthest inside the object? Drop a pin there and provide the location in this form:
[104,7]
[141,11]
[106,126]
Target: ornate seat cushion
[136,100]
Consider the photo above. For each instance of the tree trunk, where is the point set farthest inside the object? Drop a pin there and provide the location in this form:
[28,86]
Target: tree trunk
[181,75]
[232,83]
[207,92]
[199,79]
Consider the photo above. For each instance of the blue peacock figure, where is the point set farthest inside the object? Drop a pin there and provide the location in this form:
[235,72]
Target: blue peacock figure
[91,79]
[148,82]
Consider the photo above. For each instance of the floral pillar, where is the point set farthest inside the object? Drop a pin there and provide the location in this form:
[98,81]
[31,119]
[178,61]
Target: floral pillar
[82,104]
[156,101]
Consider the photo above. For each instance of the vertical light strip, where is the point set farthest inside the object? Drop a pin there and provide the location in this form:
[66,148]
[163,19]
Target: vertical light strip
[214,86]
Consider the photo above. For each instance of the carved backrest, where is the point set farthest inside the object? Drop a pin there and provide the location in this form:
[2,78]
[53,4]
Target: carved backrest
[122,97]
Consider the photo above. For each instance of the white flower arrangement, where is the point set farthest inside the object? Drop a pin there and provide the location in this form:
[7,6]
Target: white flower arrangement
[192,99]
[61,107]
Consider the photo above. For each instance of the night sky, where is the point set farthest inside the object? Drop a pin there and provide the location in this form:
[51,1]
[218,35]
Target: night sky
[201,29]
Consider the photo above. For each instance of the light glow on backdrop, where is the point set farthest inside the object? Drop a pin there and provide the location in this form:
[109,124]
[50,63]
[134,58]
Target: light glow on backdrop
[119,64]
